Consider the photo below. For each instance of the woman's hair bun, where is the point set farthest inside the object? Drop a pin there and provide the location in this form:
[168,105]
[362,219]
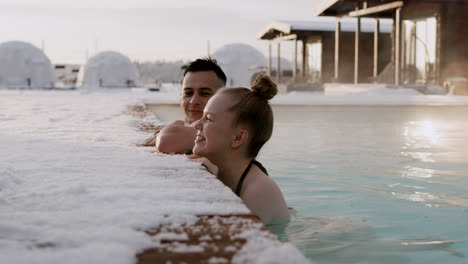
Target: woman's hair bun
[263,86]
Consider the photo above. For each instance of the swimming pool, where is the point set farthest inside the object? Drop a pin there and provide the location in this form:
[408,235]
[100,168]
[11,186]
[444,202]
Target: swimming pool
[373,184]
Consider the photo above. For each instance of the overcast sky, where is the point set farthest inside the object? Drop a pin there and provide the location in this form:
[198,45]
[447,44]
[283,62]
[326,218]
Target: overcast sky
[143,29]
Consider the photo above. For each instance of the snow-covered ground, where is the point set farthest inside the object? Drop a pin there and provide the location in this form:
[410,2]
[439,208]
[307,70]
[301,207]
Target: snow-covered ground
[75,188]
[334,94]
[367,94]
[340,94]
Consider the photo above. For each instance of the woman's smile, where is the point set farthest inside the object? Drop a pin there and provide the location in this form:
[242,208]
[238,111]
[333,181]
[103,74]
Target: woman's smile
[199,138]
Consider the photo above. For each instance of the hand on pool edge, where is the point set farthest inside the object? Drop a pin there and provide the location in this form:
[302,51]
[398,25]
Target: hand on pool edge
[210,167]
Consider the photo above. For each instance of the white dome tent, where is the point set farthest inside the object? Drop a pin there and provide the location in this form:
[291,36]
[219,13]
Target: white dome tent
[285,64]
[109,69]
[22,65]
[240,62]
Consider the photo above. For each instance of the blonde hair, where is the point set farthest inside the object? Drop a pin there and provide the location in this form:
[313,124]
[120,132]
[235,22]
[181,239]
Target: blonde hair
[252,109]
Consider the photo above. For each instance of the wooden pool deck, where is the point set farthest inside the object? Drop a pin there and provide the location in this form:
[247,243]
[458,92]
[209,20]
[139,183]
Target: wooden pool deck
[212,239]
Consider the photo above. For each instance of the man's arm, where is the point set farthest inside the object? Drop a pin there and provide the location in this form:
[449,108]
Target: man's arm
[151,141]
[176,138]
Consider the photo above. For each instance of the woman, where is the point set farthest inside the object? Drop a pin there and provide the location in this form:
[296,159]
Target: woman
[236,123]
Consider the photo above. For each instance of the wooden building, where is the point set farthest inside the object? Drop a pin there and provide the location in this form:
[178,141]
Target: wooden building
[429,37]
[319,48]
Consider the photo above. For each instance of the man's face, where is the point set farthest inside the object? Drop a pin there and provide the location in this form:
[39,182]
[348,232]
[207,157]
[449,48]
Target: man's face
[197,88]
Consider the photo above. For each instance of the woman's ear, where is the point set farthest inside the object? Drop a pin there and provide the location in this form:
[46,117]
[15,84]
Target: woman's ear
[240,138]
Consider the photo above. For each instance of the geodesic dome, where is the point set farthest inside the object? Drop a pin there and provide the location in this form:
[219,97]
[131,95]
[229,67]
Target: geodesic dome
[22,65]
[285,64]
[240,62]
[109,69]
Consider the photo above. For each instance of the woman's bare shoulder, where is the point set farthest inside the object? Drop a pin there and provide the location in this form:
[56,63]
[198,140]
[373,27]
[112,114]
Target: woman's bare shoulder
[261,183]
[264,198]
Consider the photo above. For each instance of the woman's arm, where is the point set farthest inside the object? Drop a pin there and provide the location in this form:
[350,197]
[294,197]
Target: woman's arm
[210,167]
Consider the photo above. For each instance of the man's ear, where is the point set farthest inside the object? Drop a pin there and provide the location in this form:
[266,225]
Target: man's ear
[240,138]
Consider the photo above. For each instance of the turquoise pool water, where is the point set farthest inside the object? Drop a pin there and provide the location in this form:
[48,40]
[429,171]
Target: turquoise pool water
[373,184]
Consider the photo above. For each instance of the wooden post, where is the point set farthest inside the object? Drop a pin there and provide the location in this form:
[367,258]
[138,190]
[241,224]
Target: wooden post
[269,59]
[295,60]
[278,68]
[304,60]
[356,51]
[337,50]
[402,54]
[376,48]
[438,78]
[397,45]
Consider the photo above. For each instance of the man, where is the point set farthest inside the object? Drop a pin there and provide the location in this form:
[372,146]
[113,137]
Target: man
[202,79]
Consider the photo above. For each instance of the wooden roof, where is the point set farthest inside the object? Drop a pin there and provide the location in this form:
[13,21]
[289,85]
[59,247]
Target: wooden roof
[375,8]
[287,29]
[344,7]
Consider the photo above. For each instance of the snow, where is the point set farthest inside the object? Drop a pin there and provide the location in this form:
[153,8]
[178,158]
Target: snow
[75,188]
[215,260]
[165,105]
[239,61]
[457,79]
[109,69]
[329,24]
[24,66]
[345,94]
[281,253]
[367,94]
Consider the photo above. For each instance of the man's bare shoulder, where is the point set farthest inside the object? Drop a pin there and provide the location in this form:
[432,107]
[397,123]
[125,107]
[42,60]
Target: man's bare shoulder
[151,141]
[176,138]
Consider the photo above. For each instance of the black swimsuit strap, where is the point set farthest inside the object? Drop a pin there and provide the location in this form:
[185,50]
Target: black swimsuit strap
[244,174]
[260,166]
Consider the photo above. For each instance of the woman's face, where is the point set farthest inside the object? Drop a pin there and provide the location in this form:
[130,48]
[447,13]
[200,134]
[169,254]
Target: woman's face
[215,128]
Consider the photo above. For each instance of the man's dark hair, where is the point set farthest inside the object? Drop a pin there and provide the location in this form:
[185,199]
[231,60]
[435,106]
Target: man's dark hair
[206,64]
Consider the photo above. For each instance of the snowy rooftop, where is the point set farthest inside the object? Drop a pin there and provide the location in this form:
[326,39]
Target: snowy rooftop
[322,24]
[75,188]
